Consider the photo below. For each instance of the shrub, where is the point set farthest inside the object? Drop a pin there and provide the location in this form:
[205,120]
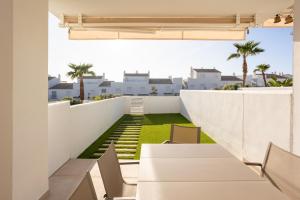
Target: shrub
[72,100]
[97,98]
[231,87]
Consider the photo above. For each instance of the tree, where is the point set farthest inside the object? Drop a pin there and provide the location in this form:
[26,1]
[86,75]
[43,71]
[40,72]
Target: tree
[262,68]
[244,50]
[153,90]
[78,71]
[276,83]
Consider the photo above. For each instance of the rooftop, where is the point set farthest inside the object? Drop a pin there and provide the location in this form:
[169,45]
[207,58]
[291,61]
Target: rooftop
[136,74]
[160,81]
[207,70]
[63,86]
[230,78]
[92,77]
[106,84]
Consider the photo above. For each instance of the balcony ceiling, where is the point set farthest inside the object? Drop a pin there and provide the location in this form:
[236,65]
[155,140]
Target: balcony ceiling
[165,19]
[167,8]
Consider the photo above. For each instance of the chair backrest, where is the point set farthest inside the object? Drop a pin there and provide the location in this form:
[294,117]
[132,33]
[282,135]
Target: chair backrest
[111,172]
[85,190]
[184,135]
[283,170]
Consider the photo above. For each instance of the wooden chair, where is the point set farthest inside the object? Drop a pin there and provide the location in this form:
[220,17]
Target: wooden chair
[114,184]
[85,190]
[282,168]
[184,135]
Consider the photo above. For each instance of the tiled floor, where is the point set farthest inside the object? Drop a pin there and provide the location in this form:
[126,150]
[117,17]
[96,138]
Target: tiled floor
[65,181]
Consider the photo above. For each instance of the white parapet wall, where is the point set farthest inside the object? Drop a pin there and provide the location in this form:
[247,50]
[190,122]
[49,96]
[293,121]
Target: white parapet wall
[156,104]
[71,129]
[244,122]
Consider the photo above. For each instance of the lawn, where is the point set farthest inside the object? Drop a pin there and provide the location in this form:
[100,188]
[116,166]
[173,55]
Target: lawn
[156,129]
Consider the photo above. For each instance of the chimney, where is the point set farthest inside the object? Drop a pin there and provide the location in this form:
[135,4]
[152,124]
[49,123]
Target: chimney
[103,75]
[170,77]
[59,77]
[136,72]
[233,74]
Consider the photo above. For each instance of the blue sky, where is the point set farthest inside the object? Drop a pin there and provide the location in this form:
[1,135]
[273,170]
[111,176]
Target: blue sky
[164,58]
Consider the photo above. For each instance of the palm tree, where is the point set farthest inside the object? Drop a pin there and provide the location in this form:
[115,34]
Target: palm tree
[262,68]
[78,71]
[276,83]
[244,50]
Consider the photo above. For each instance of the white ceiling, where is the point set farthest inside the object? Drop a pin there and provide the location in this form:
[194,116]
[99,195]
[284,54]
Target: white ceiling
[167,8]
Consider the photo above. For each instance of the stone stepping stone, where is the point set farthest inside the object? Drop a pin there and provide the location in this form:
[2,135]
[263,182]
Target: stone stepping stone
[120,156]
[120,146]
[102,150]
[124,136]
[126,133]
[123,139]
[120,142]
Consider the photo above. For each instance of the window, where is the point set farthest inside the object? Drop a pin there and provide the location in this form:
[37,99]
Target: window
[103,90]
[53,95]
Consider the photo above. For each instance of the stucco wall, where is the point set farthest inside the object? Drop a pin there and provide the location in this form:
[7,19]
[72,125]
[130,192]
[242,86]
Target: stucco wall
[73,129]
[156,104]
[242,121]
[296,80]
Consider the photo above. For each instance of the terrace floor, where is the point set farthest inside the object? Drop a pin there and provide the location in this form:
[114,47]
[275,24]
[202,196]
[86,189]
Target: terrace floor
[131,131]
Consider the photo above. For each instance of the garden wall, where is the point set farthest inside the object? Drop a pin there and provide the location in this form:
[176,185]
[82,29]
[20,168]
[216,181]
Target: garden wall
[73,129]
[156,104]
[244,122]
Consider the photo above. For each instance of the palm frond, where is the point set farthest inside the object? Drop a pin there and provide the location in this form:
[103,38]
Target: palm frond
[234,55]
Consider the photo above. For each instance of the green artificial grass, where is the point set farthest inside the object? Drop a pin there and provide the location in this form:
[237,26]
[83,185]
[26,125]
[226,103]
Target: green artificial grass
[156,129]
[88,153]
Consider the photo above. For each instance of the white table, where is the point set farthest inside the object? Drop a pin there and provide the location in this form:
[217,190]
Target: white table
[195,171]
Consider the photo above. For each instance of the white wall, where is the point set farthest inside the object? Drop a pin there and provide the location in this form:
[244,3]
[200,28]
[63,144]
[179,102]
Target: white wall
[72,129]
[90,120]
[296,73]
[30,97]
[59,134]
[156,104]
[244,122]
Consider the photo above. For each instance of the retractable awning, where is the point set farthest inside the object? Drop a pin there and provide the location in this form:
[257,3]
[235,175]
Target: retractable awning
[164,19]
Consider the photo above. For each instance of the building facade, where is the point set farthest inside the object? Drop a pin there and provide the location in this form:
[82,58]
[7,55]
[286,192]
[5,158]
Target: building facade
[208,79]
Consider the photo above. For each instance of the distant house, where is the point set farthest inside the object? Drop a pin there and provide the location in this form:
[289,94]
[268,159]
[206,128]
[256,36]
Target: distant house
[52,80]
[208,79]
[61,90]
[136,84]
[91,85]
[106,88]
[140,84]
[166,86]
[231,80]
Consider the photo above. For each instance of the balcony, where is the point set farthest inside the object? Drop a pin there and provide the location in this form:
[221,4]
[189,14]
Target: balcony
[240,121]
[243,122]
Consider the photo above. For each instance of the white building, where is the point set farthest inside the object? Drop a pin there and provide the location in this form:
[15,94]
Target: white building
[140,84]
[136,84]
[207,79]
[91,85]
[62,90]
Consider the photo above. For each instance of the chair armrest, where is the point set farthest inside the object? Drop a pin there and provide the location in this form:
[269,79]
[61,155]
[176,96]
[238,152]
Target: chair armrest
[166,142]
[253,164]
